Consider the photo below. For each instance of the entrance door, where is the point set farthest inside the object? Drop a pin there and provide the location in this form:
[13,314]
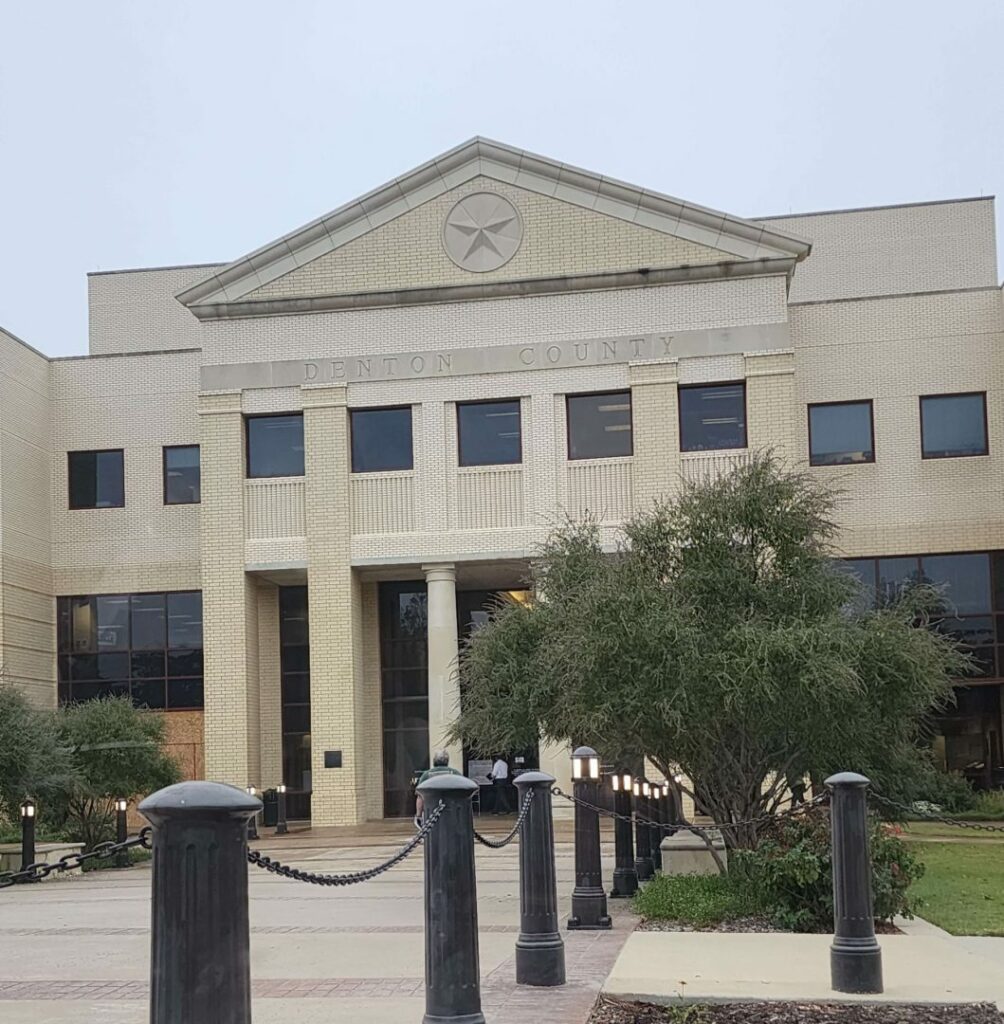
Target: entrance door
[404,677]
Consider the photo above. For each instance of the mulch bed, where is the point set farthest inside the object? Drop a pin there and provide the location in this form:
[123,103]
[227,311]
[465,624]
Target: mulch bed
[739,924]
[609,1011]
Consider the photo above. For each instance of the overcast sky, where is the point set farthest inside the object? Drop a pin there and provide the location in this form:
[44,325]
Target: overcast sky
[149,134]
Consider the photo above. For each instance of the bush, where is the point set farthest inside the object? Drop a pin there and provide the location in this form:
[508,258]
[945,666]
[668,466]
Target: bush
[987,806]
[791,872]
[698,900]
[950,791]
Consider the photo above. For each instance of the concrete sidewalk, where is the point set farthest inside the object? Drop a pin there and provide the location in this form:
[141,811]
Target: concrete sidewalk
[716,967]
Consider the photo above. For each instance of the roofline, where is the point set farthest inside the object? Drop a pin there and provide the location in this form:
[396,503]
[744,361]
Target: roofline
[120,355]
[24,344]
[147,270]
[736,236]
[885,206]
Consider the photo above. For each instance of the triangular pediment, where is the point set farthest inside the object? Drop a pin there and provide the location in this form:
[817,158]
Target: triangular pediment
[484,215]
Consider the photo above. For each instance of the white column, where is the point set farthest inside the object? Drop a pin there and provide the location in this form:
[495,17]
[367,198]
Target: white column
[444,687]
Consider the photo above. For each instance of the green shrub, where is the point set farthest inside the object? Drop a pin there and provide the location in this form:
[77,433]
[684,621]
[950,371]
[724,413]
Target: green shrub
[697,900]
[987,806]
[791,872]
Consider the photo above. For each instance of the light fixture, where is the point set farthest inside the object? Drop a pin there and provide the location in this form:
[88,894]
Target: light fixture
[636,789]
[28,808]
[678,778]
[281,788]
[621,781]
[585,764]
[646,788]
[251,791]
[121,804]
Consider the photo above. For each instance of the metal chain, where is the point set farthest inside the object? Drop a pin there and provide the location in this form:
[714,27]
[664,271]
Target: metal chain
[930,816]
[268,864]
[636,818]
[497,844]
[103,851]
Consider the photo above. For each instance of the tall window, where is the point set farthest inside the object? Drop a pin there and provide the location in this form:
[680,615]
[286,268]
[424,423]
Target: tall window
[489,433]
[275,445]
[712,416]
[294,662]
[381,439]
[146,646]
[599,426]
[182,475]
[404,668]
[952,426]
[841,433]
[96,479]
[972,585]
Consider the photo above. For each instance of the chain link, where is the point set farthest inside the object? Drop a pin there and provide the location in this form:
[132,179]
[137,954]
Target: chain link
[497,844]
[103,851]
[636,818]
[268,864]
[931,816]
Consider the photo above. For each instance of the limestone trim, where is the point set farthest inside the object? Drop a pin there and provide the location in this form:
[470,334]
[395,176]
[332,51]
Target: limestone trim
[483,157]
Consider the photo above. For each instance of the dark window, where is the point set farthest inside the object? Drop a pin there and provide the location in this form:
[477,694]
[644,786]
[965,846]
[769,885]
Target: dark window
[294,668]
[96,479]
[146,646]
[405,687]
[381,440]
[489,433]
[712,416]
[182,475]
[953,426]
[841,433]
[599,426]
[275,445]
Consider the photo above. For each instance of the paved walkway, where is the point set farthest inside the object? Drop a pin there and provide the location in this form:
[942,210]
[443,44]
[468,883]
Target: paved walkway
[77,949]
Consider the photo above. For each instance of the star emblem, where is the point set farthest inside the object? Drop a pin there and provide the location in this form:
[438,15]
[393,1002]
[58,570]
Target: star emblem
[482,232]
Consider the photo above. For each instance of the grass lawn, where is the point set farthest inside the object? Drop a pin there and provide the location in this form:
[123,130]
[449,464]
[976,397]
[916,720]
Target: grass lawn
[963,887]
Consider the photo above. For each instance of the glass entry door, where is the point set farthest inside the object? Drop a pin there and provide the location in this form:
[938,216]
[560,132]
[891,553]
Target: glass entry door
[404,676]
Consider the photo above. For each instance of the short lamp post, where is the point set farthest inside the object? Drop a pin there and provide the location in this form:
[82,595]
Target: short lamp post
[642,837]
[253,820]
[280,821]
[121,833]
[27,832]
[589,901]
[625,873]
[652,813]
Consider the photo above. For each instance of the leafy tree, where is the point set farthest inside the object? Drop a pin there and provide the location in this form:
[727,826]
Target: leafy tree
[118,749]
[719,639]
[33,760]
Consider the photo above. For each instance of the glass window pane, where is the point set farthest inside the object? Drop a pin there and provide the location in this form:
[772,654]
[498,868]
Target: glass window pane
[184,663]
[966,579]
[894,576]
[184,619]
[182,475]
[294,658]
[184,693]
[275,445]
[599,426]
[296,688]
[147,665]
[296,718]
[80,692]
[149,622]
[712,417]
[381,440]
[841,434]
[113,622]
[953,425]
[96,479]
[83,624]
[148,693]
[489,433]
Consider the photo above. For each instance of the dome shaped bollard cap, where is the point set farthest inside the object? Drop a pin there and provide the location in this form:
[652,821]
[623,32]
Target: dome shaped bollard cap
[847,779]
[212,800]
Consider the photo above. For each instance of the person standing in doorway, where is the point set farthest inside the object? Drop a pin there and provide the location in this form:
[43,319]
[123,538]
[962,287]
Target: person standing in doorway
[440,766]
[500,785]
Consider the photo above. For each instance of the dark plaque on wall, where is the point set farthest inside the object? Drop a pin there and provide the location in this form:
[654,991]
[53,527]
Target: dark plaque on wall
[332,759]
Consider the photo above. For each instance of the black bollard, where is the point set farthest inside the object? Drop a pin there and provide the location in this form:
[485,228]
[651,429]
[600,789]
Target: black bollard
[589,901]
[121,831]
[642,837]
[625,873]
[540,950]
[28,809]
[452,971]
[199,963]
[855,955]
[655,828]
[281,827]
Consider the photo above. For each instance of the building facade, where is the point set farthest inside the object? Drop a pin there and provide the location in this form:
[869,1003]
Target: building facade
[278,492]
